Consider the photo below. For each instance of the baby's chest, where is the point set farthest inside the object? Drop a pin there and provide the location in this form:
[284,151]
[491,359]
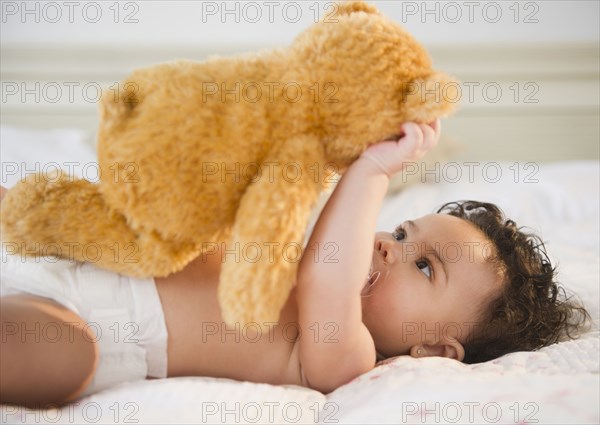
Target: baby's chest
[248,351]
[201,343]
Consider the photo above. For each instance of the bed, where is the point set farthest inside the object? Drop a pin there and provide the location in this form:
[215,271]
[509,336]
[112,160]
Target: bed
[557,384]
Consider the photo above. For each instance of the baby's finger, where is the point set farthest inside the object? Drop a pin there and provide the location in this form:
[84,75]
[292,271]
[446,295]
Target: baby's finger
[430,139]
[413,140]
[413,132]
[437,127]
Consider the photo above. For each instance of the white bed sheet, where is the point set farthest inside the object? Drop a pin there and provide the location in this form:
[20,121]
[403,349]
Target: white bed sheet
[557,384]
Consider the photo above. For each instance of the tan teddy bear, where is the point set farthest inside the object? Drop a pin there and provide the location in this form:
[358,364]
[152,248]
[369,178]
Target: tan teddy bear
[232,149]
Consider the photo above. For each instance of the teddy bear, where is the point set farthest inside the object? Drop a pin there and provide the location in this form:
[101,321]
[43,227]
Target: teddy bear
[232,149]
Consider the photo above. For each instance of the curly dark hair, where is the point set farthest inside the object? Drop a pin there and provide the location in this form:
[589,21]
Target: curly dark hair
[531,310]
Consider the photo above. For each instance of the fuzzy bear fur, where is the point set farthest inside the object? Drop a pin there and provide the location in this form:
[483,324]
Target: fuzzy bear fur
[160,202]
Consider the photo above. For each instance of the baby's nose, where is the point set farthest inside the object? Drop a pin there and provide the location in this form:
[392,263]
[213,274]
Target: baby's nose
[386,249]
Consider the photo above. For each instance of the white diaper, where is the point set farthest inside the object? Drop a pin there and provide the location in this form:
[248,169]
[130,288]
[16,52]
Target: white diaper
[125,313]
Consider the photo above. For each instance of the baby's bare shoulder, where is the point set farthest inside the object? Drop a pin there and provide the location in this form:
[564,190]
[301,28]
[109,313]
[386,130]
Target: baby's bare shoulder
[335,361]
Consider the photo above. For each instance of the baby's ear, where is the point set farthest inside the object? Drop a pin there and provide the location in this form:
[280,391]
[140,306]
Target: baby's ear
[447,347]
[348,7]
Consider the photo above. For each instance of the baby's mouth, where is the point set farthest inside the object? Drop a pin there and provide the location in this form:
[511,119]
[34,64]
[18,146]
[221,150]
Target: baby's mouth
[371,280]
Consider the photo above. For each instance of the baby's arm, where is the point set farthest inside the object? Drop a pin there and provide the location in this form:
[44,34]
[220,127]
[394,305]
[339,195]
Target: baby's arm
[335,346]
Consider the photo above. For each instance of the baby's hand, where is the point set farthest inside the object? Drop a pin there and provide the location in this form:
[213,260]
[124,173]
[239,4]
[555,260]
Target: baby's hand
[391,156]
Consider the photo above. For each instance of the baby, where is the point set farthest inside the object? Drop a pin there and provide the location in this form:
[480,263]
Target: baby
[70,329]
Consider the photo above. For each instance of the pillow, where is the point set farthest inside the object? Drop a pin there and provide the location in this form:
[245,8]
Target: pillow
[26,151]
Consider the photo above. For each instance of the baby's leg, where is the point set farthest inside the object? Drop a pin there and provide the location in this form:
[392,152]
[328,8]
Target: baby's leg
[39,364]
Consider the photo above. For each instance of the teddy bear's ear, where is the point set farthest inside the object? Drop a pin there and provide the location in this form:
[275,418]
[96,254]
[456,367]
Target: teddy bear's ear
[348,7]
[426,99]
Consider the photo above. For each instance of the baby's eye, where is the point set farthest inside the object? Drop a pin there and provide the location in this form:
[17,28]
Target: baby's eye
[425,267]
[399,233]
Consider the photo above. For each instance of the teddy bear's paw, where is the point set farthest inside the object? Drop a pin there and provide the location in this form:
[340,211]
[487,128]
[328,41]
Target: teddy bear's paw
[31,210]
[31,193]
[151,255]
[255,293]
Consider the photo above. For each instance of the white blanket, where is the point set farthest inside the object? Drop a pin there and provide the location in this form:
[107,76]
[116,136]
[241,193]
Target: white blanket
[557,384]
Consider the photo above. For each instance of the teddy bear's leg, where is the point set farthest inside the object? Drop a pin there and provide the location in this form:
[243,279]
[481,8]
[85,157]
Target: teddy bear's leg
[66,217]
[267,235]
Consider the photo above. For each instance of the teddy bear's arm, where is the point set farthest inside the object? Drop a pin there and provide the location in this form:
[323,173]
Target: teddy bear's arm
[268,232]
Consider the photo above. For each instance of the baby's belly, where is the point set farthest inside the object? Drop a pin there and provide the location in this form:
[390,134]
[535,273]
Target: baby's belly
[200,344]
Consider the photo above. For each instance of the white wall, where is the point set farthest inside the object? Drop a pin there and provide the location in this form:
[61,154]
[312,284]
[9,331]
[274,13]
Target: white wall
[273,22]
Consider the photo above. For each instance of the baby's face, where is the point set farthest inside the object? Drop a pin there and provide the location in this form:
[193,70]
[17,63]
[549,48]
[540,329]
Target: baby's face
[434,276]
